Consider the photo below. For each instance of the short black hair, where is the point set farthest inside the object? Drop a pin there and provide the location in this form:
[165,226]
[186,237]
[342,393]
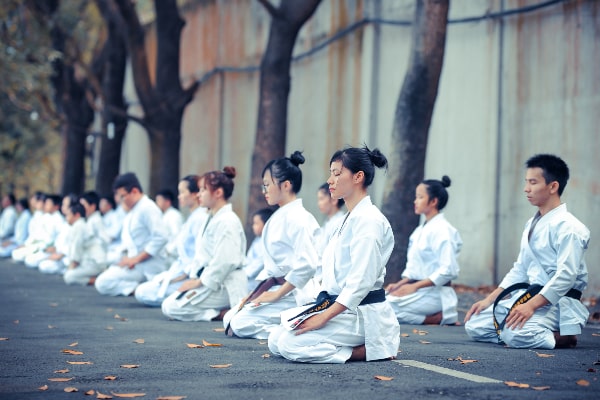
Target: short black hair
[167,194]
[77,208]
[553,169]
[127,181]
[264,214]
[91,198]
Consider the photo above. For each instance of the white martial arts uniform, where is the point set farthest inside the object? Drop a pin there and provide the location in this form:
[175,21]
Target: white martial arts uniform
[113,224]
[54,232]
[254,262]
[218,263]
[21,233]
[37,238]
[554,258]
[289,238]
[143,230]
[329,228]
[88,247]
[153,292]
[353,265]
[173,221]
[8,220]
[43,260]
[432,251]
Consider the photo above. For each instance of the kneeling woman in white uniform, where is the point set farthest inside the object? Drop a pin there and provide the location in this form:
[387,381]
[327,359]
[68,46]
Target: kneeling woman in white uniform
[290,256]
[216,278]
[355,322]
[424,294]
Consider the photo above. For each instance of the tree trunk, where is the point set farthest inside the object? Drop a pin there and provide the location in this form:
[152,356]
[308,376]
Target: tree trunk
[115,109]
[79,116]
[411,125]
[271,130]
[164,103]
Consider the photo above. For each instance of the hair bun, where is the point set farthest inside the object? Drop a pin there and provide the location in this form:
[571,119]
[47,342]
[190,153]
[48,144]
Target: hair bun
[297,158]
[446,181]
[377,157]
[229,171]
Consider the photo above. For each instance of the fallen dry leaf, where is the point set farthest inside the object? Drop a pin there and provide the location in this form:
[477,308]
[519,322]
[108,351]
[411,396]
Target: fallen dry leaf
[45,387]
[73,352]
[90,392]
[109,328]
[53,304]
[110,378]
[171,397]
[51,326]
[61,371]
[583,382]
[220,365]
[139,341]
[130,366]
[467,361]
[194,346]
[540,387]
[109,310]
[219,330]
[71,389]
[79,362]
[16,321]
[515,384]
[204,342]
[596,334]
[404,335]
[59,379]
[420,332]
[383,378]
[73,344]
[262,342]
[544,355]
[103,396]
[424,342]
[3,338]
[117,316]
[267,355]
[129,395]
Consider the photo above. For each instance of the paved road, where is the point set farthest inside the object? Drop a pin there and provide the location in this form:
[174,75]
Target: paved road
[40,317]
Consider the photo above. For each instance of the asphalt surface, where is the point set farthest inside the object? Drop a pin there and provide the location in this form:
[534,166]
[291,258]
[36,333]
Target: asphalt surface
[44,325]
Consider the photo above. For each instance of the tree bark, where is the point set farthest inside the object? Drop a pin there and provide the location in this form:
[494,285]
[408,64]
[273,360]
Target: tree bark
[271,131]
[164,102]
[115,109]
[412,120]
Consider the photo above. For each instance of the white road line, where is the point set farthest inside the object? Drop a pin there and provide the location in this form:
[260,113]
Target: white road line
[448,371]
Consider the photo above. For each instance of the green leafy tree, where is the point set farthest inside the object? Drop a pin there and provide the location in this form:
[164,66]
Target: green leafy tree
[28,122]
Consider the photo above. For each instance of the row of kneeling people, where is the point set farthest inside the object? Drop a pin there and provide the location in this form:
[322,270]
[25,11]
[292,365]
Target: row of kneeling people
[317,293]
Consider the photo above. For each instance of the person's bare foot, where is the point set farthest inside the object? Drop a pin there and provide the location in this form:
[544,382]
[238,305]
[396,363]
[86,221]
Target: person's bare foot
[433,319]
[92,281]
[359,353]
[221,315]
[564,342]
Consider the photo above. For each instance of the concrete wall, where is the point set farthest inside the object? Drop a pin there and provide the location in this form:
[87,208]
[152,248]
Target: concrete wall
[510,88]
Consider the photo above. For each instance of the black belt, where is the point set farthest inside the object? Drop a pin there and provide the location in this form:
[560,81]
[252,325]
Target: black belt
[325,300]
[262,287]
[531,291]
